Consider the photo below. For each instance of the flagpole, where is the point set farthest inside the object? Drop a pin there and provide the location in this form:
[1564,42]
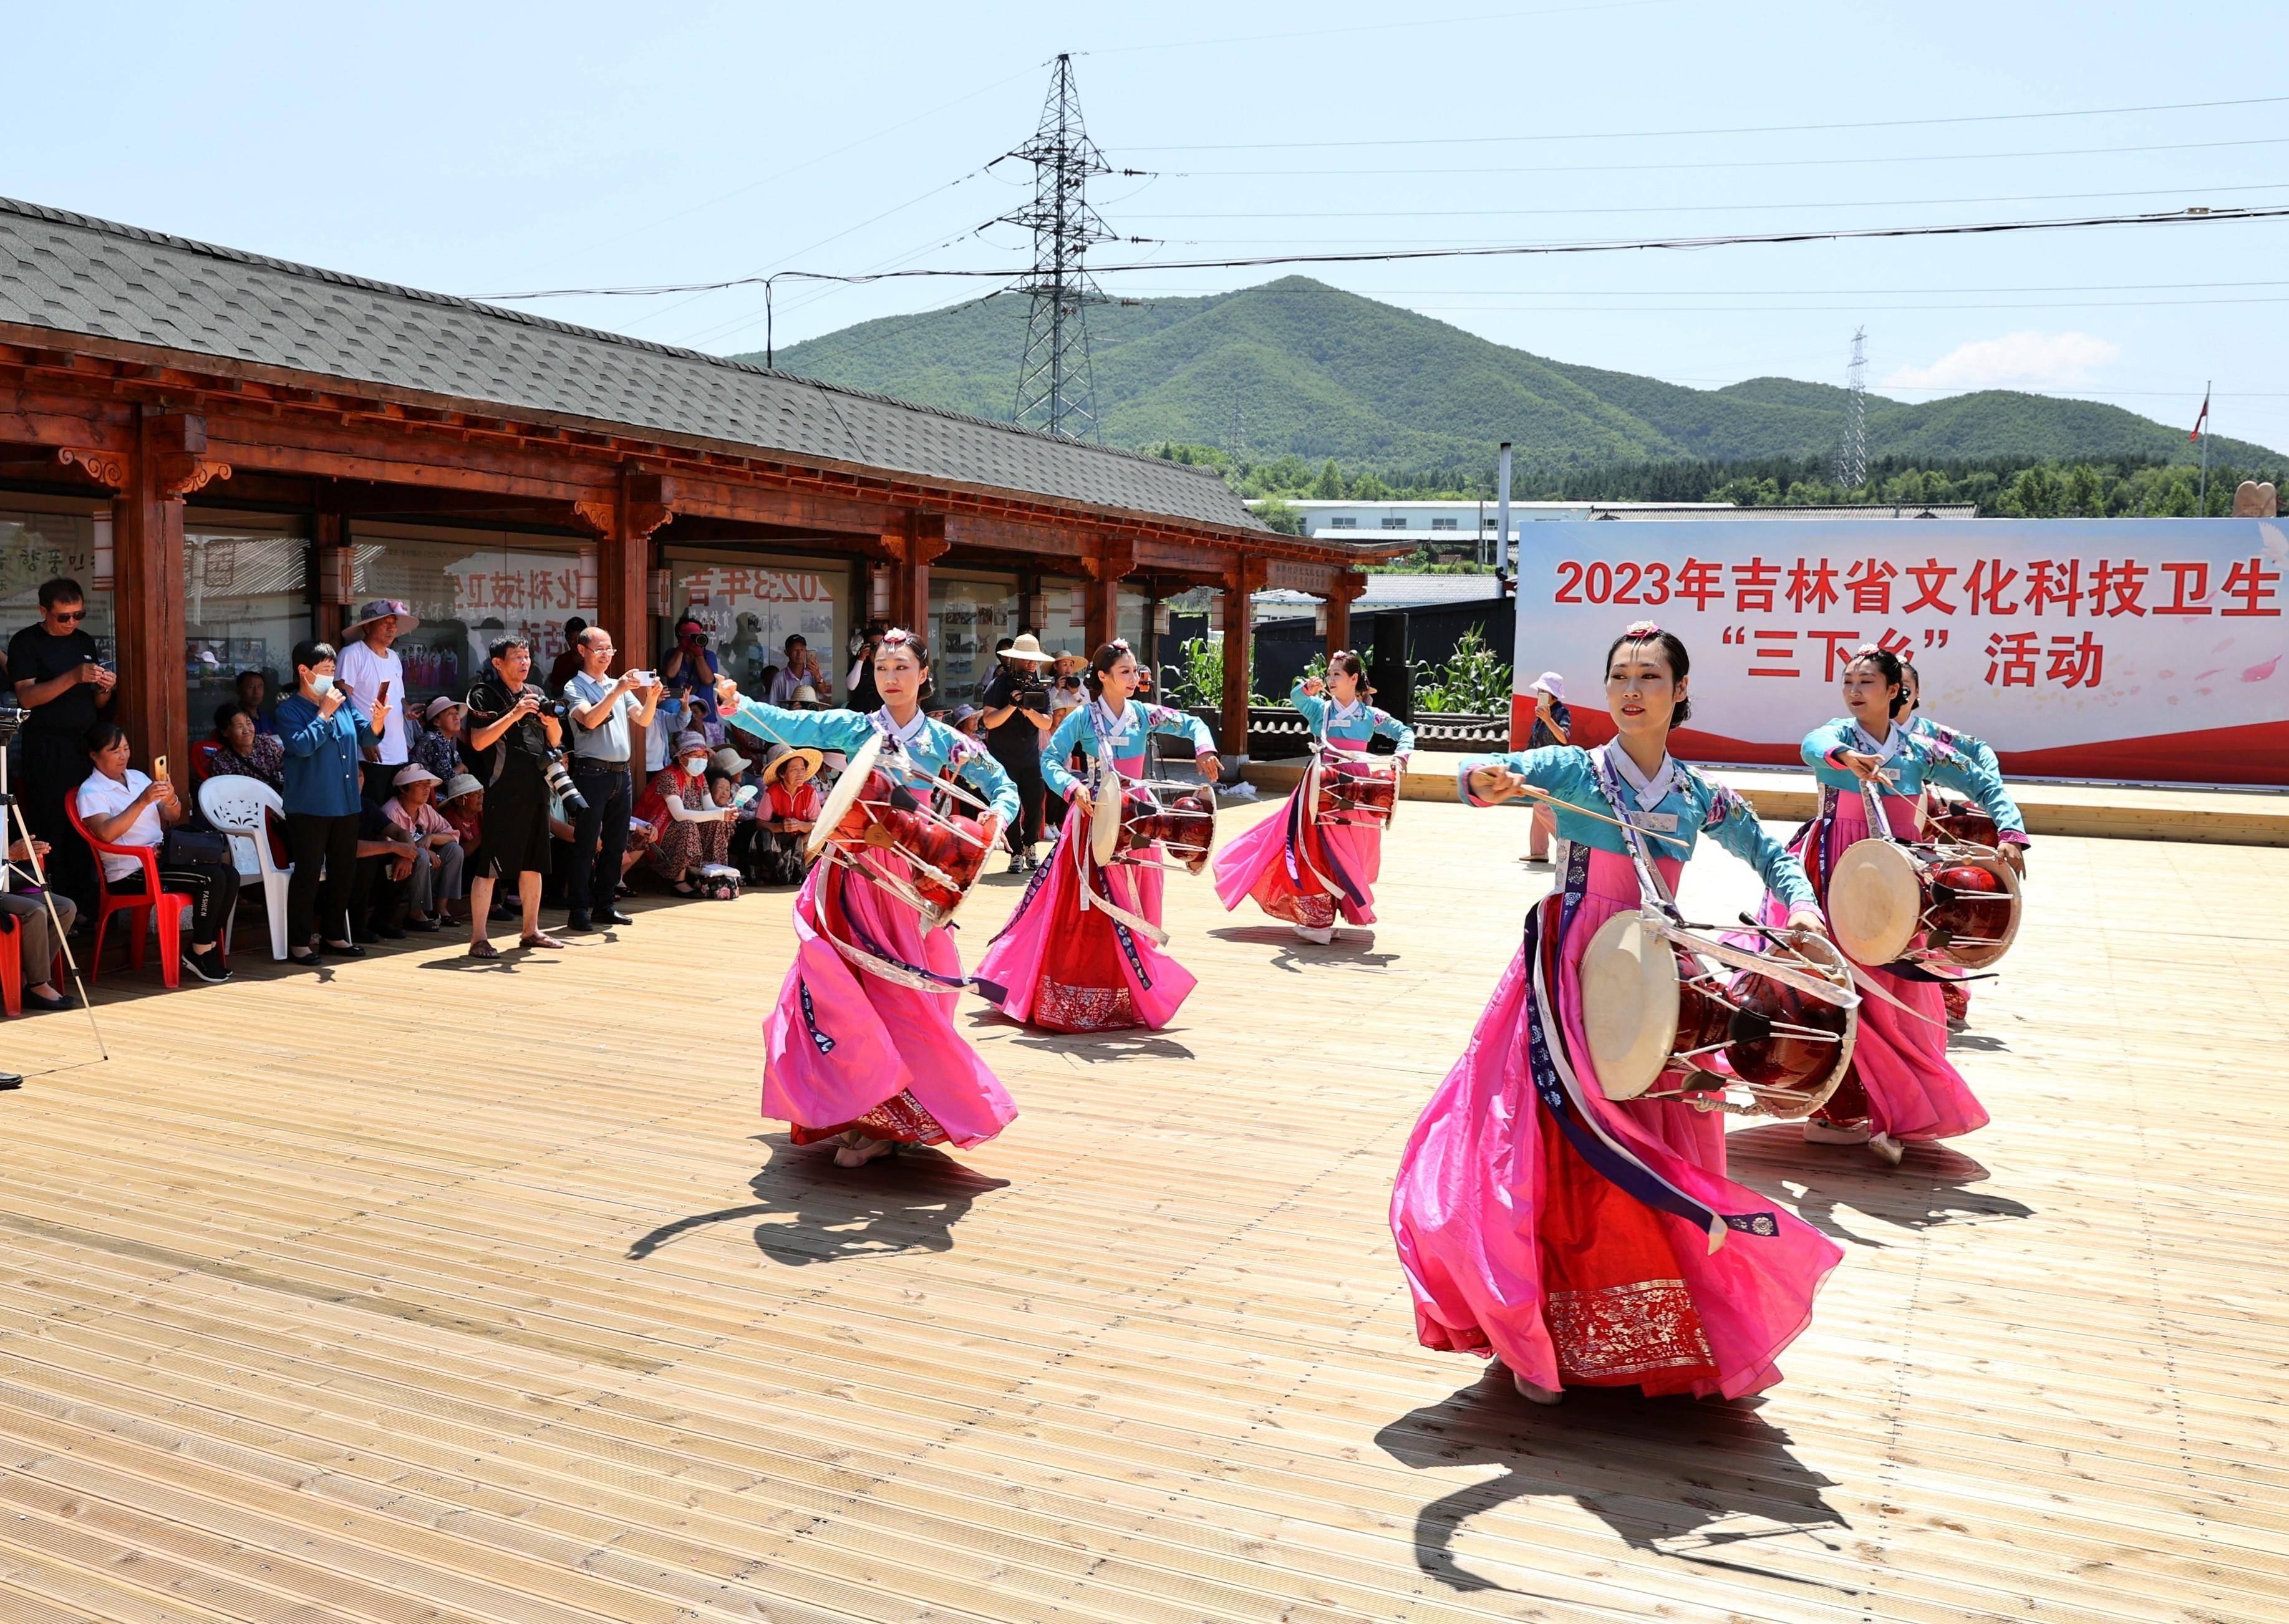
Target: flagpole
[2203,507]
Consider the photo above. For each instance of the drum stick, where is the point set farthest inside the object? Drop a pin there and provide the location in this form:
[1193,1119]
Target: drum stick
[1528,789]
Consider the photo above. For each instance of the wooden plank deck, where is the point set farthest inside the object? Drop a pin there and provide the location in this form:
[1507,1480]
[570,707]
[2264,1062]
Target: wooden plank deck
[428,1293]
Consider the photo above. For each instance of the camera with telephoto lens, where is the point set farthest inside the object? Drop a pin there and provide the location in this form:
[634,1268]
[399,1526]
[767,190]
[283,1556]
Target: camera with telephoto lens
[12,718]
[560,783]
[1031,693]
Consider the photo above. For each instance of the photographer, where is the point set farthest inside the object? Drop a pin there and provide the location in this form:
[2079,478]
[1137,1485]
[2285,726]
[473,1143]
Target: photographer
[1018,724]
[600,710]
[58,677]
[513,733]
[866,699]
[691,670]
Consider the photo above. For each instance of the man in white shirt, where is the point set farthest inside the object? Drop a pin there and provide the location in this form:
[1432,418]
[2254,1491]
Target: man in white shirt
[799,667]
[367,661]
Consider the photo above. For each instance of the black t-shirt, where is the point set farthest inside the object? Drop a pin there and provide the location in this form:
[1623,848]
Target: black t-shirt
[36,656]
[1016,738]
[520,752]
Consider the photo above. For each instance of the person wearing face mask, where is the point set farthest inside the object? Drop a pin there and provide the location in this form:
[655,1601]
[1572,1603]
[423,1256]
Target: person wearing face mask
[690,830]
[325,737]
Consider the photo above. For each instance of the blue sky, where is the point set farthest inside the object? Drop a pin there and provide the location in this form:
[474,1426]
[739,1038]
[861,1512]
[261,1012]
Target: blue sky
[481,149]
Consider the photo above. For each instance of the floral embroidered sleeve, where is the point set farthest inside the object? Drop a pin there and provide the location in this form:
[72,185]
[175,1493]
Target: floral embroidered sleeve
[1398,732]
[1179,724]
[1731,823]
[1964,773]
[1825,744]
[986,777]
[1063,742]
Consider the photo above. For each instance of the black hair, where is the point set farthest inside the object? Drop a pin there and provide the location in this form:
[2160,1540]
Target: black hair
[573,628]
[1350,665]
[224,714]
[252,671]
[504,646]
[1108,655]
[1907,668]
[101,737]
[1672,650]
[915,646]
[1887,662]
[63,589]
[312,651]
[1005,645]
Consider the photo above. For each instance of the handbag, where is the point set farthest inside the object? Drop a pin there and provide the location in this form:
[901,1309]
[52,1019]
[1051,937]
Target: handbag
[195,848]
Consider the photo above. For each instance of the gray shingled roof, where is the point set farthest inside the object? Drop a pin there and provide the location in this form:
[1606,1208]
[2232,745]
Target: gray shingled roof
[72,274]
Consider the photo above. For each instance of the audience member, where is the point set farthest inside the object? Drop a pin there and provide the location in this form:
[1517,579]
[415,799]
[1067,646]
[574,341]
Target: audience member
[24,909]
[866,699]
[381,885]
[513,738]
[370,669]
[688,828]
[792,802]
[605,713]
[437,859]
[121,807]
[323,736]
[254,693]
[799,669]
[567,662]
[242,751]
[59,676]
[461,802]
[439,747]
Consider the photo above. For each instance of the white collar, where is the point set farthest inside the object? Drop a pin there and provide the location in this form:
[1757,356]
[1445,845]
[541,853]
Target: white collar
[1650,791]
[1894,741]
[908,734]
[1113,727]
[1346,710]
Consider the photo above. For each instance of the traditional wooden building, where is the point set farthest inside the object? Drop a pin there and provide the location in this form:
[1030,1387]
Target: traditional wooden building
[228,451]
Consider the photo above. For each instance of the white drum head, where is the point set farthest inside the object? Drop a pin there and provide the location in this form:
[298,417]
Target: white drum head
[1111,795]
[1876,901]
[844,795]
[1629,1005]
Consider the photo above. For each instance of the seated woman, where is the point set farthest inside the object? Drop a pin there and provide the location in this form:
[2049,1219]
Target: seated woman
[690,831]
[242,751]
[35,939]
[792,803]
[121,807]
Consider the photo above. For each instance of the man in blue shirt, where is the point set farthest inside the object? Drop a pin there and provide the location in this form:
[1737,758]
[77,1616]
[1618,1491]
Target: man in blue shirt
[601,709]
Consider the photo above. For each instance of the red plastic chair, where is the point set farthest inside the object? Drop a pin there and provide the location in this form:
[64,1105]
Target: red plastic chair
[171,905]
[11,966]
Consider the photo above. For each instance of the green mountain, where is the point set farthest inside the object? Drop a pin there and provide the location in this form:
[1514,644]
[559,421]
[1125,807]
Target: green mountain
[1318,372]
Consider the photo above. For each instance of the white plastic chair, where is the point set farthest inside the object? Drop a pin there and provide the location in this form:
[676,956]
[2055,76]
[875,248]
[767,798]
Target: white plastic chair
[238,805]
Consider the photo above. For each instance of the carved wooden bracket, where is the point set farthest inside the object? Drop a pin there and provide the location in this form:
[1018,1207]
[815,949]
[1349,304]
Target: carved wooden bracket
[1113,560]
[107,468]
[596,515]
[1348,587]
[645,517]
[921,542]
[179,475]
[1246,575]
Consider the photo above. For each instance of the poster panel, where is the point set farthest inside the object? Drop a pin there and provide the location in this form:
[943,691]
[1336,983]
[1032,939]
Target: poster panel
[2148,650]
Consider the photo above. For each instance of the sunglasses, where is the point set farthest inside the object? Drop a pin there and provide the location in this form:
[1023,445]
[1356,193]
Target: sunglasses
[68,615]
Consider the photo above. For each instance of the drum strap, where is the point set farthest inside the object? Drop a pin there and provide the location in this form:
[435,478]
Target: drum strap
[1651,886]
[1561,1093]
[1301,846]
[877,960]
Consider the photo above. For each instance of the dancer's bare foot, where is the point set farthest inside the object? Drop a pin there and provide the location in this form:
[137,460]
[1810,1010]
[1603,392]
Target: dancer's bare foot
[860,1149]
[1533,1393]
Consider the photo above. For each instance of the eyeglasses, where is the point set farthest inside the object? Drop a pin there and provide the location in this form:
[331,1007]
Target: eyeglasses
[68,615]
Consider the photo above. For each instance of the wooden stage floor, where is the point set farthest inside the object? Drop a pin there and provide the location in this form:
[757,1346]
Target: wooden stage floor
[445,1293]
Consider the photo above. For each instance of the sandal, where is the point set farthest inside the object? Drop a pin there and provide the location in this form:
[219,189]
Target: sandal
[539,938]
[684,887]
[484,949]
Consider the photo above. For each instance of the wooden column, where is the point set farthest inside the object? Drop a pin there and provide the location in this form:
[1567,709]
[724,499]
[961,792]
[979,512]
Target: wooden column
[913,546]
[1345,588]
[330,556]
[624,524]
[1242,578]
[168,464]
[1108,562]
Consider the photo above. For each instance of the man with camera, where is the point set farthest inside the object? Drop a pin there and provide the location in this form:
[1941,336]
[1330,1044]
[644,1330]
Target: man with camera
[601,709]
[800,668]
[512,741]
[1017,701]
[61,682]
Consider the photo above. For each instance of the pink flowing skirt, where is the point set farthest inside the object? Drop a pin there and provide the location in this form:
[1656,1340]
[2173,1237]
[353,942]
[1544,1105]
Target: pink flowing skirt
[1070,969]
[1514,1245]
[1900,1081]
[844,1048]
[1292,885]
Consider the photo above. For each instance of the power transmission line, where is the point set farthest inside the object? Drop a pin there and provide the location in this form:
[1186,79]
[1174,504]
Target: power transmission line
[1852,461]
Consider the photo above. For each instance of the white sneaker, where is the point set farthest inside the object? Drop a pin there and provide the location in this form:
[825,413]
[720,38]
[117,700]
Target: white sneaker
[1532,1394]
[1890,1149]
[1816,1132]
[1320,934]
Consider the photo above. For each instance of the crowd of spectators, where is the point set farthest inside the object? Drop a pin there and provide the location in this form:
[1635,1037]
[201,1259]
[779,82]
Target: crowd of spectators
[460,813]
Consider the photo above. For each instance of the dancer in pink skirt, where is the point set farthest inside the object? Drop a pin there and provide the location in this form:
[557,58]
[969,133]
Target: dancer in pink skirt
[1067,961]
[1582,1242]
[861,1047]
[1901,1086]
[1956,994]
[1298,869]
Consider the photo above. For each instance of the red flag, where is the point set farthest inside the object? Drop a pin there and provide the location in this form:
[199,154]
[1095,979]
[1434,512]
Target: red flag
[2205,418]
